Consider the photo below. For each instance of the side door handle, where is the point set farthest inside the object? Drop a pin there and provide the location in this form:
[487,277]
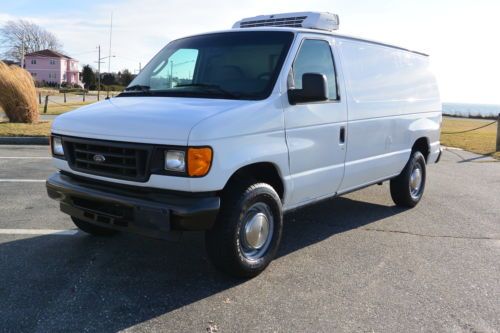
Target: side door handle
[342,135]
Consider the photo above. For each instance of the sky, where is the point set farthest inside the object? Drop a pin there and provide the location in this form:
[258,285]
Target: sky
[461,36]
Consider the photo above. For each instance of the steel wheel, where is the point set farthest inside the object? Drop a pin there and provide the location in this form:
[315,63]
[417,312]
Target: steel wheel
[256,231]
[416,181]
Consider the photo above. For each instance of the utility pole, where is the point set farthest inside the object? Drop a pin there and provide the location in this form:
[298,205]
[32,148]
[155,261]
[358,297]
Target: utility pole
[98,71]
[99,61]
[498,133]
[171,74]
[22,51]
[110,36]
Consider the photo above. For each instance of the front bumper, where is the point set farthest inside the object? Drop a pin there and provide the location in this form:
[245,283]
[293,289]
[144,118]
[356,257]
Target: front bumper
[151,213]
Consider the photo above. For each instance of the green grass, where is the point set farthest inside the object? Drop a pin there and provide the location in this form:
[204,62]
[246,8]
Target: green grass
[482,141]
[15,129]
[62,107]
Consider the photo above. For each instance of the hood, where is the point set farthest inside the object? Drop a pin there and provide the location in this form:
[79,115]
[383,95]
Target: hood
[160,120]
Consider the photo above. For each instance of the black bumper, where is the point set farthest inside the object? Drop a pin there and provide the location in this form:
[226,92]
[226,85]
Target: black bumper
[151,213]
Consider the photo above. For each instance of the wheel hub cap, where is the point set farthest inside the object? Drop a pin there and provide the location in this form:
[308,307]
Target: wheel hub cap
[415,181]
[257,231]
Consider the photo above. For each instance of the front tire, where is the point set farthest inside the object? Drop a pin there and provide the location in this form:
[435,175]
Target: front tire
[408,188]
[248,229]
[92,229]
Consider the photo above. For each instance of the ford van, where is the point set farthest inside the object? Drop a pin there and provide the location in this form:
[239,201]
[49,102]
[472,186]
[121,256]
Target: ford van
[226,131]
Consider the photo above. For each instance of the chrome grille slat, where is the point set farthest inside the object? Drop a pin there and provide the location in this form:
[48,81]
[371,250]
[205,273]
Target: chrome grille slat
[121,160]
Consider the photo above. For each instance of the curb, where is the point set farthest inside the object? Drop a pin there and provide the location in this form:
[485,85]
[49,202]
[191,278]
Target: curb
[28,140]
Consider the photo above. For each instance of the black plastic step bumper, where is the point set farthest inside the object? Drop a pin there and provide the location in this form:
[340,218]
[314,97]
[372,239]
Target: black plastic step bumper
[150,213]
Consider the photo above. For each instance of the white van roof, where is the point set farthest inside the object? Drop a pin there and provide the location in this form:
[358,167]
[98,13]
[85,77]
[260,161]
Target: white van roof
[314,31]
[311,22]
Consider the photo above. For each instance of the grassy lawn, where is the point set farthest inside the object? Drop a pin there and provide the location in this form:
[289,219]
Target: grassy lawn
[13,129]
[65,107]
[482,141]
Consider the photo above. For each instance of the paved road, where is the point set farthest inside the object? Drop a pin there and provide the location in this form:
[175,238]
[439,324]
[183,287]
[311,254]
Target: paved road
[351,264]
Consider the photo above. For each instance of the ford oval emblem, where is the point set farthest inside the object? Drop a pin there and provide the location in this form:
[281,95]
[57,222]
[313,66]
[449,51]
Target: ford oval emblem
[99,158]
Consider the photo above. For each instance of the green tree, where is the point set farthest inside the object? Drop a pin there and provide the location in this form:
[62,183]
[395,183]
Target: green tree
[88,77]
[108,79]
[126,77]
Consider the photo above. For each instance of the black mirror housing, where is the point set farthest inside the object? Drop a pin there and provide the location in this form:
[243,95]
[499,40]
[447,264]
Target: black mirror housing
[314,89]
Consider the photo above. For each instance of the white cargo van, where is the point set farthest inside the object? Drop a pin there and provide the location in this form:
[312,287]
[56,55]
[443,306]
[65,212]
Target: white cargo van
[226,131]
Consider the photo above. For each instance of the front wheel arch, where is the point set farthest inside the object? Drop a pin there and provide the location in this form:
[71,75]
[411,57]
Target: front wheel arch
[265,172]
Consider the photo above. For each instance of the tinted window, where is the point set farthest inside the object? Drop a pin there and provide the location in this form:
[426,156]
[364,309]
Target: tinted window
[315,56]
[239,65]
[177,69]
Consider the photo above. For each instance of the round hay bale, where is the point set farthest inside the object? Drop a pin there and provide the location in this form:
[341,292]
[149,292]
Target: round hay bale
[18,94]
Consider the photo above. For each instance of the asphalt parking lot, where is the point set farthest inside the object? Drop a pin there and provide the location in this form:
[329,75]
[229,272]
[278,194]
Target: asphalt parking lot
[350,264]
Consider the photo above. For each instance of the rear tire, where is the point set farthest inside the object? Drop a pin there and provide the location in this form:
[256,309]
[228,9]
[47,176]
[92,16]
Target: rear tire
[408,188]
[92,229]
[247,233]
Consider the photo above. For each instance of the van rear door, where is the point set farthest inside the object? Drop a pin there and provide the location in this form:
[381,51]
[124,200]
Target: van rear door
[315,132]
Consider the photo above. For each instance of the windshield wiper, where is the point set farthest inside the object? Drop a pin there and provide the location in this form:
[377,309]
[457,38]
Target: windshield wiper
[138,87]
[207,86]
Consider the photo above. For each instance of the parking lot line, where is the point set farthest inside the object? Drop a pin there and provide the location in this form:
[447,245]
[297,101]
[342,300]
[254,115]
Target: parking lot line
[22,180]
[25,157]
[67,232]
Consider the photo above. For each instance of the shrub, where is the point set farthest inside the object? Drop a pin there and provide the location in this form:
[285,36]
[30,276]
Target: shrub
[113,87]
[77,90]
[18,94]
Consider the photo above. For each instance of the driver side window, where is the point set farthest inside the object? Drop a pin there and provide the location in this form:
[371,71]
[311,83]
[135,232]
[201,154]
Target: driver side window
[315,56]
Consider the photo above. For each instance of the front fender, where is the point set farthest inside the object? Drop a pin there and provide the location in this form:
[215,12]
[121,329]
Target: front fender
[250,134]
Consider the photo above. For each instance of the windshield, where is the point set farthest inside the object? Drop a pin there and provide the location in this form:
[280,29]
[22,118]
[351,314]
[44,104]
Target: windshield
[233,65]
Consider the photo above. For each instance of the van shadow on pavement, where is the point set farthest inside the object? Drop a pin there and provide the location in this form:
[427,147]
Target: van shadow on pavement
[53,283]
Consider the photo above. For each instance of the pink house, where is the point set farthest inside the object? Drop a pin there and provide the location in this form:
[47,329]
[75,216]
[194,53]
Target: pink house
[52,67]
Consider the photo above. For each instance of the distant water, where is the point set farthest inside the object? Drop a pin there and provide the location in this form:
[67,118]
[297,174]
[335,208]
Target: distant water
[467,110]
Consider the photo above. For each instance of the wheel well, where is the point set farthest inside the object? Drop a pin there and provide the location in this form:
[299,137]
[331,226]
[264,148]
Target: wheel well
[422,145]
[261,172]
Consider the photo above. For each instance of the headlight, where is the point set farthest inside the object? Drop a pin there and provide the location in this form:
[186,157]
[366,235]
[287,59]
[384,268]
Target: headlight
[57,146]
[175,160]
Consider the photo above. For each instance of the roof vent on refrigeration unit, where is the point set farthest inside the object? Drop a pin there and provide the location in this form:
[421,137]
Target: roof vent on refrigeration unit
[308,20]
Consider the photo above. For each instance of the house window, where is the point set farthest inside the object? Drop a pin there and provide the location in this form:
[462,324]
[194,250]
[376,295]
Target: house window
[33,74]
[33,61]
[52,62]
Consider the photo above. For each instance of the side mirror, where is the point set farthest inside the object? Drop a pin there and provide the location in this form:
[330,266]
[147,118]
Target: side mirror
[314,89]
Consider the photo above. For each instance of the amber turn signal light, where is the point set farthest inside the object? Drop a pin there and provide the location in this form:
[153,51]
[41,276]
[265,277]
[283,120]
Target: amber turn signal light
[199,161]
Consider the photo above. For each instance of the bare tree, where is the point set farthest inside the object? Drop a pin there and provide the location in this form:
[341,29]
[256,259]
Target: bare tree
[35,38]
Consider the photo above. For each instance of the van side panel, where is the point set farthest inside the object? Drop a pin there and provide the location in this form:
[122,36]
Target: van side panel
[393,100]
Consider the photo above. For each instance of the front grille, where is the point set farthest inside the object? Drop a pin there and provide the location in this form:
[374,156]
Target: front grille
[114,159]
[295,22]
